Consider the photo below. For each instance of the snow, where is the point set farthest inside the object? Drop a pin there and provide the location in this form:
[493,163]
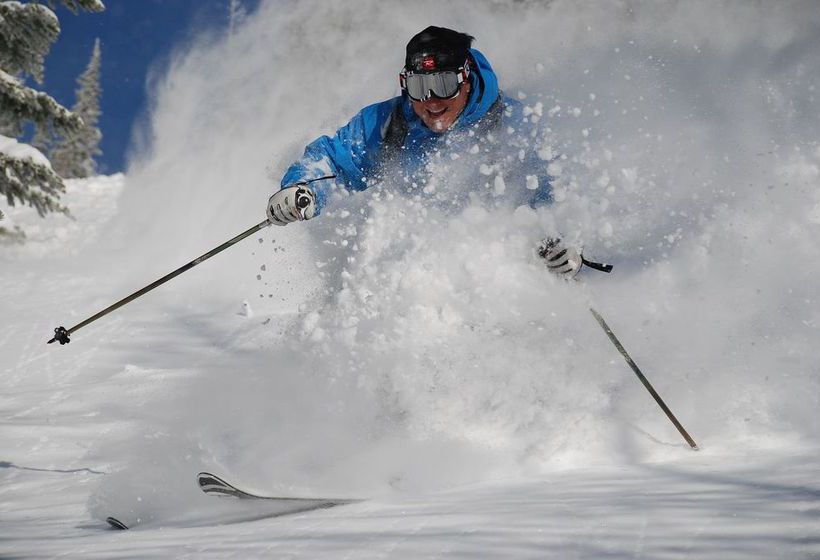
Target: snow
[18,150]
[420,356]
[9,79]
[92,203]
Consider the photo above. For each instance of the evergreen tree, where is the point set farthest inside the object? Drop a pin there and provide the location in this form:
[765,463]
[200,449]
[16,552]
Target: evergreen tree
[236,15]
[27,31]
[73,156]
[42,139]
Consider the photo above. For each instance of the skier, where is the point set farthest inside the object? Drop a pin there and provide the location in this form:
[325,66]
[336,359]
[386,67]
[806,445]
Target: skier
[450,102]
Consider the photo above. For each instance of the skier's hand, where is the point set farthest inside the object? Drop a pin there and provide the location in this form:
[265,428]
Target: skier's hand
[291,204]
[561,260]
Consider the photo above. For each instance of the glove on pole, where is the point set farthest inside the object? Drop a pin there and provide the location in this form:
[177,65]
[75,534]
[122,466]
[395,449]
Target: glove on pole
[643,379]
[566,261]
[61,334]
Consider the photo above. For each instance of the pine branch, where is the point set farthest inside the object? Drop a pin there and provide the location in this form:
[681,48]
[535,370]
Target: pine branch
[21,103]
[27,32]
[24,181]
[15,236]
[88,5]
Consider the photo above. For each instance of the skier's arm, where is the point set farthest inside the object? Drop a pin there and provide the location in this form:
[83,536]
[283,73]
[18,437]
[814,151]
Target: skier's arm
[527,169]
[348,154]
[539,183]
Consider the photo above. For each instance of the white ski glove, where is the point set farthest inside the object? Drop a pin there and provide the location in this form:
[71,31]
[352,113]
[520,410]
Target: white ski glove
[561,260]
[291,204]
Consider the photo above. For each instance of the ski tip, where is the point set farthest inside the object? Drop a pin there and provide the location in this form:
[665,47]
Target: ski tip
[206,475]
[212,484]
[205,479]
[116,523]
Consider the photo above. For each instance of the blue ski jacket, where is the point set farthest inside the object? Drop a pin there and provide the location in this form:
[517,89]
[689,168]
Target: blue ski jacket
[389,137]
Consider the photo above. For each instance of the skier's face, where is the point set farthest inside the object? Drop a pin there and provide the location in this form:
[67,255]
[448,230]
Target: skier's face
[440,114]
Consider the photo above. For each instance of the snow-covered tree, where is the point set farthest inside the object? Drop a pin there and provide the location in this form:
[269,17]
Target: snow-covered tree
[73,155]
[87,5]
[27,177]
[236,15]
[42,139]
[27,31]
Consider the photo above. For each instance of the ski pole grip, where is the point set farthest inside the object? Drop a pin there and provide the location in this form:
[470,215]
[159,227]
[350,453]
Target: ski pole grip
[302,201]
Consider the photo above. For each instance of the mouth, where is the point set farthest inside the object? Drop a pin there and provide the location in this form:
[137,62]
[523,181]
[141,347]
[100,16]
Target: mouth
[436,113]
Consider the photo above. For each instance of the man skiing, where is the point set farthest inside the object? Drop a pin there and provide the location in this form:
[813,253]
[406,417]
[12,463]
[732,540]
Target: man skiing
[450,103]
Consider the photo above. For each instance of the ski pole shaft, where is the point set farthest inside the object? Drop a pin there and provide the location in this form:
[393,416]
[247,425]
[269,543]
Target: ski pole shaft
[643,379]
[61,334]
[597,266]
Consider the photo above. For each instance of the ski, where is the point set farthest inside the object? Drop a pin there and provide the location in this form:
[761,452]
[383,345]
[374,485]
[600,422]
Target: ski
[281,505]
[116,523]
[216,486]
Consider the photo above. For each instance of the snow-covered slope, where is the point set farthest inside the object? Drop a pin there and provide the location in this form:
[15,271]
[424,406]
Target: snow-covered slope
[91,202]
[422,358]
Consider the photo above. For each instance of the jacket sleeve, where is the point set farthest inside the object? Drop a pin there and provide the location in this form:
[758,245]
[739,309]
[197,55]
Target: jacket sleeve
[350,154]
[529,168]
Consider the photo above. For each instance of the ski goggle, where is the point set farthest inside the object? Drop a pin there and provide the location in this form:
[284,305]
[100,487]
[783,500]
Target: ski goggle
[443,85]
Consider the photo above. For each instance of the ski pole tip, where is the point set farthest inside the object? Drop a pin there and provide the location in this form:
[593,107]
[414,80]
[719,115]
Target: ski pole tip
[60,335]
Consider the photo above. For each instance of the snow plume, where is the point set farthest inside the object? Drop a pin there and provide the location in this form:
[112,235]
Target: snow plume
[426,349]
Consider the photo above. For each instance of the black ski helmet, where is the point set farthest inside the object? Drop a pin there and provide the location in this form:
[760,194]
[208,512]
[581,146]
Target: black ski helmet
[437,48]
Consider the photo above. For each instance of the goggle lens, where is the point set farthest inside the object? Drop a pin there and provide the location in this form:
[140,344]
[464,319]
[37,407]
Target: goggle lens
[444,85]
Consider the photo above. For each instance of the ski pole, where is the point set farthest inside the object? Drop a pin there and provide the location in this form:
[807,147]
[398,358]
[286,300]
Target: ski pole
[596,265]
[61,334]
[643,379]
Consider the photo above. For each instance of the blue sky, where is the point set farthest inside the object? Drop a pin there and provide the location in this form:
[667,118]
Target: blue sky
[135,35]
